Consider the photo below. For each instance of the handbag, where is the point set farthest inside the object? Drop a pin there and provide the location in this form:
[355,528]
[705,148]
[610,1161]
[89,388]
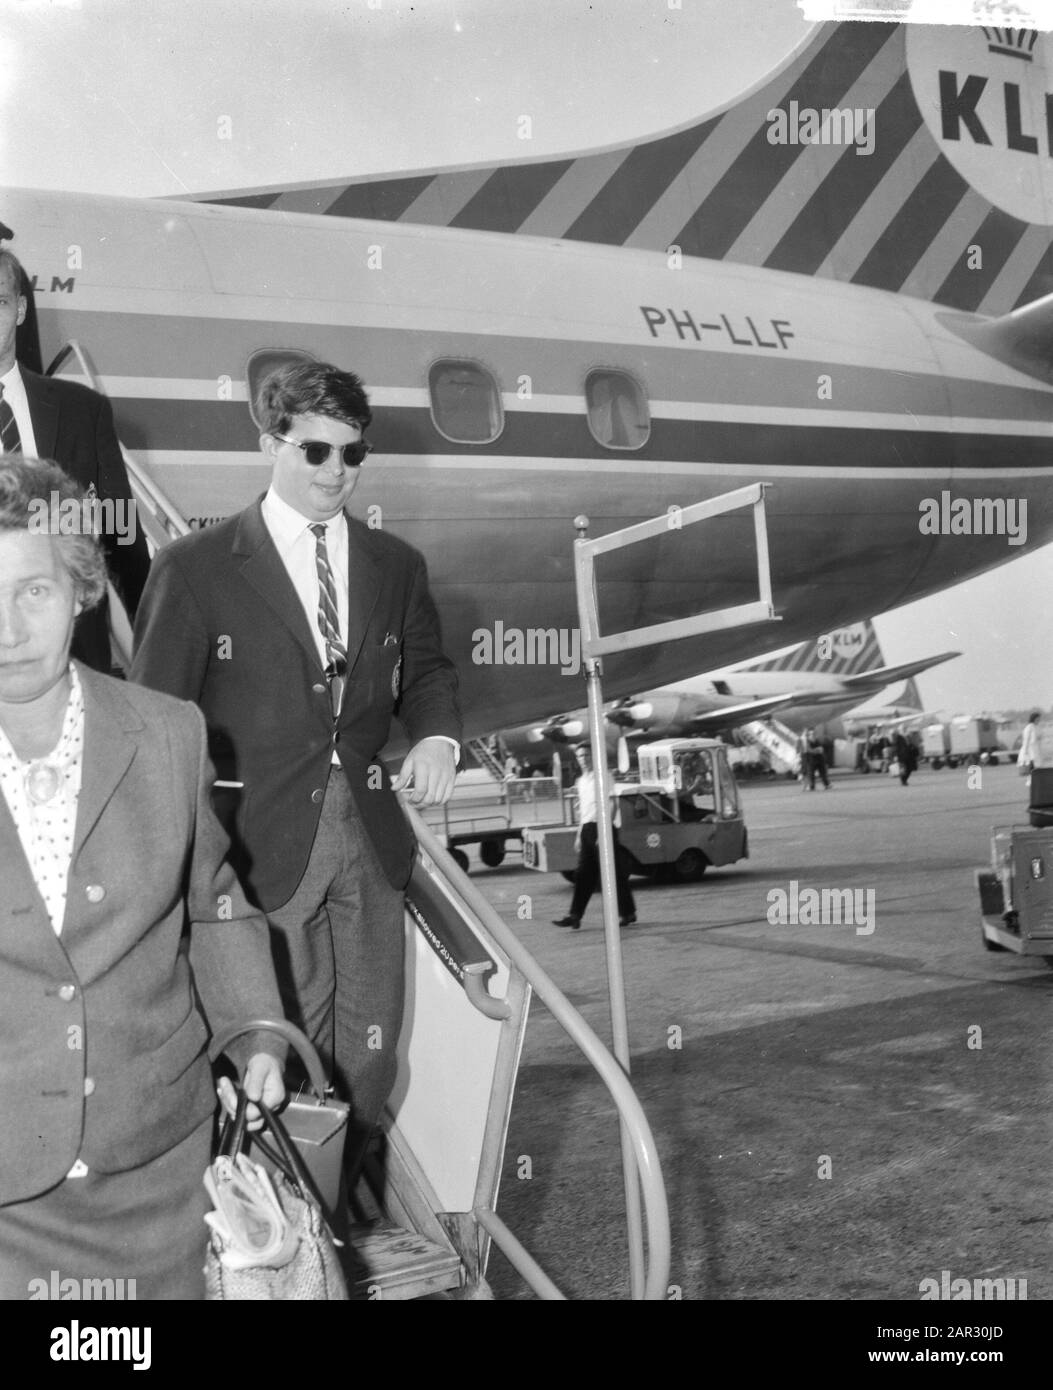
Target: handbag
[268,1238]
[316,1125]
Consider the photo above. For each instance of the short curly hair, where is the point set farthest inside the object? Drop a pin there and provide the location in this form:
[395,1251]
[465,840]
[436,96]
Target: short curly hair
[29,485]
[311,388]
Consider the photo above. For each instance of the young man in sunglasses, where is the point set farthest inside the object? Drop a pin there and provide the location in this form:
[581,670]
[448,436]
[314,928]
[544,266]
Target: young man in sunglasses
[299,632]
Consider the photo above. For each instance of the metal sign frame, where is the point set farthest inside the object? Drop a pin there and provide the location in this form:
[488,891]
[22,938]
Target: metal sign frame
[594,646]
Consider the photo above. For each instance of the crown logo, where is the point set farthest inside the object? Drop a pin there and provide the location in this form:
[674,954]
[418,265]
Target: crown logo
[1013,43]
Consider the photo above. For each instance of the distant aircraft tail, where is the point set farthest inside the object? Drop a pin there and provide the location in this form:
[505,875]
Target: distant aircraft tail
[906,163]
[848,651]
[910,698]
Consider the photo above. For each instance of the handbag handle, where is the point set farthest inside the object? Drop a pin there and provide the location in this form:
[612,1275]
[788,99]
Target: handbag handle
[287,1158]
[296,1039]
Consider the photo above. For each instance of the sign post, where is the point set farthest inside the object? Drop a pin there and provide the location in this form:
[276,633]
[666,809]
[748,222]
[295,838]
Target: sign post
[595,645]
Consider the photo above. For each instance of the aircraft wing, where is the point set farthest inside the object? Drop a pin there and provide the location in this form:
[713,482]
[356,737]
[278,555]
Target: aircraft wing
[874,720]
[903,719]
[710,722]
[888,675]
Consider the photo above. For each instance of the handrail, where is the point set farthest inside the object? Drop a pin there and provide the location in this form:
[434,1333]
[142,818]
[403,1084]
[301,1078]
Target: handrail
[473,973]
[164,512]
[630,1111]
[478,994]
[519,1255]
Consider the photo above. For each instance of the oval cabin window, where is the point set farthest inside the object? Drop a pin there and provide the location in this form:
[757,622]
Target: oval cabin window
[260,366]
[618,414]
[465,402]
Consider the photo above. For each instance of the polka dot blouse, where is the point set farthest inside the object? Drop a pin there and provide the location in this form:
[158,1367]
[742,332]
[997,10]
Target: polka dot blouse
[41,795]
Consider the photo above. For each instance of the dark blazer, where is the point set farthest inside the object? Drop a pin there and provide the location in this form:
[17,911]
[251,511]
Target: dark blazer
[112,998]
[220,623]
[74,426]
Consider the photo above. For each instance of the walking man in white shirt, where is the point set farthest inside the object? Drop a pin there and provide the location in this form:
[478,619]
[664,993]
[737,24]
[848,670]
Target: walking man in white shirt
[587,877]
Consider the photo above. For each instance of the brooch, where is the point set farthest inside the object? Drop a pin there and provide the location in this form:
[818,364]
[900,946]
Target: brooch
[43,782]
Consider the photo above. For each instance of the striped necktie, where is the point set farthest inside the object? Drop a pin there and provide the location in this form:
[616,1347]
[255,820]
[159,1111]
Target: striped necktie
[329,620]
[10,440]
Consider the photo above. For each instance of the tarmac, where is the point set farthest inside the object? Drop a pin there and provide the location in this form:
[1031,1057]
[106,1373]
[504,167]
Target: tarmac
[840,1113]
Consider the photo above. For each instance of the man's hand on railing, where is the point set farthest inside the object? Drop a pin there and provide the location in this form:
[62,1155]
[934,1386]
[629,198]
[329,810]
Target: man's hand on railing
[427,773]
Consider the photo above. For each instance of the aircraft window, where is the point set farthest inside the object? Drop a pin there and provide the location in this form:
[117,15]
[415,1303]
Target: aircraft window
[619,417]
[465,402]
[261,364]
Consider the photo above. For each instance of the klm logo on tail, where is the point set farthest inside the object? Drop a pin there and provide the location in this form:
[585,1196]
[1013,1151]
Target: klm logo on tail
[987,99]
[845,652]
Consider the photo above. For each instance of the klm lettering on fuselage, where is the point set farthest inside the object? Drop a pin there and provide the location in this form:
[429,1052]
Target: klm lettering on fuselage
[58,284]
[669,323]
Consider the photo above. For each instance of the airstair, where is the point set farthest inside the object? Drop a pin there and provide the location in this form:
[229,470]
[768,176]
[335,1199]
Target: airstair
[777,743]
[469,985]
[486,759]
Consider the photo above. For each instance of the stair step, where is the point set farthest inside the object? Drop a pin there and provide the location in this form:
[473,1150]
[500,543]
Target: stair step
[394,1263]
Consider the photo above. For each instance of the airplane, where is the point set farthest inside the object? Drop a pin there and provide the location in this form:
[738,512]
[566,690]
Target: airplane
[810,686]
[906,708]
[831,675]
[520,380]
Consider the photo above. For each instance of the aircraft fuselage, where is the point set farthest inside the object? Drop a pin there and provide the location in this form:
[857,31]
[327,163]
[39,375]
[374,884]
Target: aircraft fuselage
[859,407]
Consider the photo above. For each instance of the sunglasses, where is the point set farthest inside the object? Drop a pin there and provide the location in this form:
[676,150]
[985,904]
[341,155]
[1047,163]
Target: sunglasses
[315,451]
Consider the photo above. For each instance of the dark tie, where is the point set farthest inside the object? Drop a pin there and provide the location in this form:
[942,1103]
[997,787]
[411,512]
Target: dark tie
[10,440]
[329,620]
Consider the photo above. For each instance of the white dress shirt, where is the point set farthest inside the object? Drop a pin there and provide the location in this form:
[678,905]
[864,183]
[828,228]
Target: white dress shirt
[15,396]
[296,546]
[586,787]
[46,827]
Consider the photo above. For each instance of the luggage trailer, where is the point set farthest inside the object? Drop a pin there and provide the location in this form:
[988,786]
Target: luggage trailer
[1016,892]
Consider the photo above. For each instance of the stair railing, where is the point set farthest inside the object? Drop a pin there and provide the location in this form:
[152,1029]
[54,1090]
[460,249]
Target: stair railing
[633,1121]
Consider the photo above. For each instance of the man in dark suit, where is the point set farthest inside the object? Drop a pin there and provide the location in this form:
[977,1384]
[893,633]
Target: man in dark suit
[43,417]
[300,632]
[123,932]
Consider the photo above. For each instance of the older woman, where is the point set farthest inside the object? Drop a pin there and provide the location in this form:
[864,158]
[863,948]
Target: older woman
[109,851]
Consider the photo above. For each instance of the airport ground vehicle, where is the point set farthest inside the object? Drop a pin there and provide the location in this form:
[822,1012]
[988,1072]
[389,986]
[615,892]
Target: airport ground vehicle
[493,814]
[850,753]
[973,740]
[681,814]
[936,745]
[1041,799]
[1016,892]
